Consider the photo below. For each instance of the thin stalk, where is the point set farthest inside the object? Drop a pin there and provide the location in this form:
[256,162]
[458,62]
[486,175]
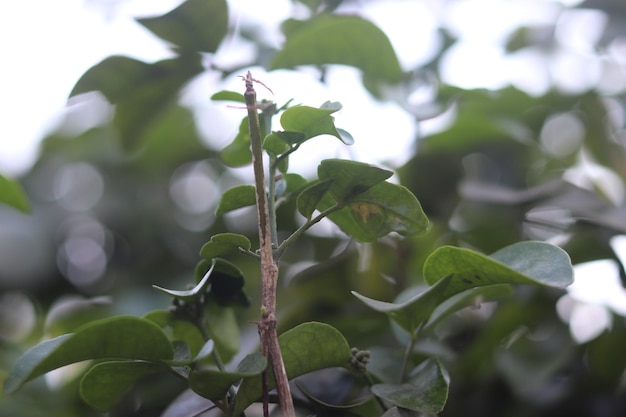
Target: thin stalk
[407,353]
[299,231]
[269,266]
[271,199]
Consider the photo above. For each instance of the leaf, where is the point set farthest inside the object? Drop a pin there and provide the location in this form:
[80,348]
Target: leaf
[12,194]
[310,121]
[344,40]
[193,294]
[427,392]
[380,210]
[117,337]
[349,177]
[309,199]
[214,384]
[180,330]
[236,197]
[294,182]
[223,329]
[224,243]
[306,348]
[107,382]
[413,312]
[402,412]
[195,25]
[275,144]
[226,95]
[529,263]
[471,297]
[227,283]
[238,152]
[140,91]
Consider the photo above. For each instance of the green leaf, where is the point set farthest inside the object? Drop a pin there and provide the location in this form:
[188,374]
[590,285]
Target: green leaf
[309,199]
[294,182]
[226,95]
[223,244]
[214,384]
[530,263]
[140,91]
[310,121]
[107,382]
[235,198]
[12,194]
[402,412]
[238,152]
[195,25]
[344,40]
[223,329]
[117,337]
[180,330]
[275,144]
[380,210]
[305,348]
[349,177]
[193,294]
[413,312]
[471,297]
[427,391]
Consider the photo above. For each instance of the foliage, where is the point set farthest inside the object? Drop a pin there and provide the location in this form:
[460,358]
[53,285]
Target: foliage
[331,294]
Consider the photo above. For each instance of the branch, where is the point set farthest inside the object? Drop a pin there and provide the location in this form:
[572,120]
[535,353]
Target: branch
[269,267]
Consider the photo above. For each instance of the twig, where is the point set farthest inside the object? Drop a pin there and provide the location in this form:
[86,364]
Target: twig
[269,267]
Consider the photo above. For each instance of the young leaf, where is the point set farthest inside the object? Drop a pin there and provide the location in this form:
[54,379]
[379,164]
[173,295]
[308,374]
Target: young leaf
[117,337]
[226,95]
[530,263]
[238,152]
[310,121]
[309,199]
[105,383]
[471,297]
[275,144]
[214,384]
[236,197]
[413,312]
[350,178]
[192,294]
[380,210]
[344,40]
[12,194]
[195,25]
[427,391]
[306,348]
[223,244]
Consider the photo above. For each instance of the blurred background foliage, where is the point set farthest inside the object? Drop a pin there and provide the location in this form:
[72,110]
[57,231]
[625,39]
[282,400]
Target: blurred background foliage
[129,201]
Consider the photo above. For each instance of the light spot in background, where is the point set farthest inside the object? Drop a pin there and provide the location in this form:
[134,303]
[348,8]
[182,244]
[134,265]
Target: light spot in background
[594,177]
[17,316]
[78,186]
[562,134]
[84,251]
[595,294]
[193,188]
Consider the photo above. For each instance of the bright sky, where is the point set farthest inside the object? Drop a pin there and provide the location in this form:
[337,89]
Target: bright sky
[49,45]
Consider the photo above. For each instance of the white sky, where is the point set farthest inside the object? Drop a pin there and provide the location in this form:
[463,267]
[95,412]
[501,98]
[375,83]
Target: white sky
[48,45]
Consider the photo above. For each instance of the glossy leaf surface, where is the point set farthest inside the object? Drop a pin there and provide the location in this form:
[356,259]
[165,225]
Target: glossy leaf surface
[380,210]
[427,391]
[214,384]
[105,383]
[531,263]
[306,348]
[118,337]
[224,244]
[310,122]
[235,198]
